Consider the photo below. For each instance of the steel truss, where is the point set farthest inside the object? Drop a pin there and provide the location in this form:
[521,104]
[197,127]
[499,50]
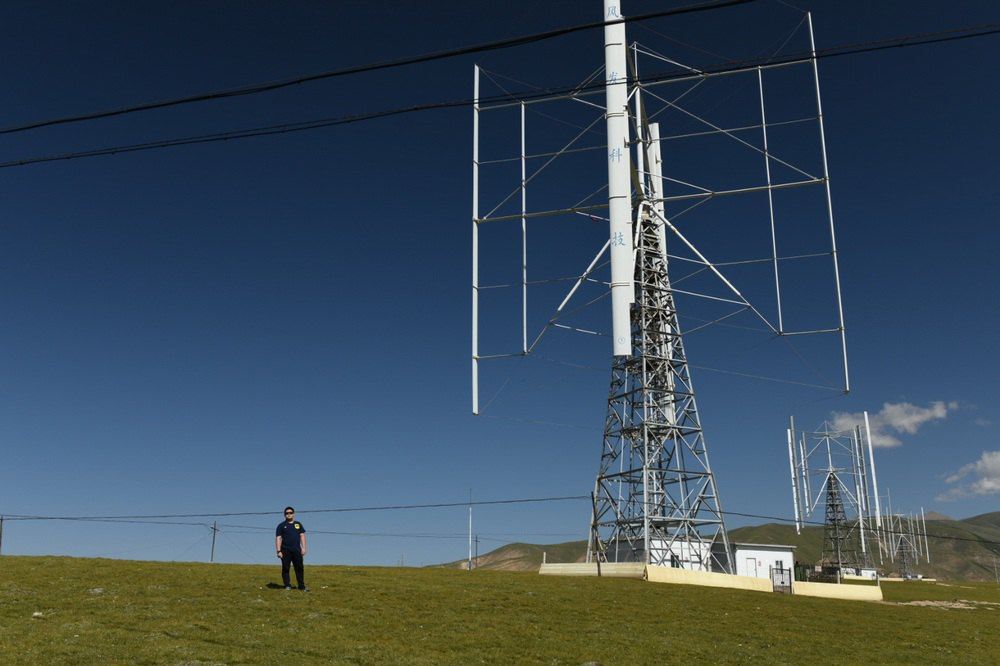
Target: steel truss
[655,496]
[696,195]
[840,538]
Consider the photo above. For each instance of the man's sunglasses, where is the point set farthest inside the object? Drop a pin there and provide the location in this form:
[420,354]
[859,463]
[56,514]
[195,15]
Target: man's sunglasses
[289,513]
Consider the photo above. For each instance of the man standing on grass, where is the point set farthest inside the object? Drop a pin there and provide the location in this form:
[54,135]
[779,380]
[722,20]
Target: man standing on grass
[290,542]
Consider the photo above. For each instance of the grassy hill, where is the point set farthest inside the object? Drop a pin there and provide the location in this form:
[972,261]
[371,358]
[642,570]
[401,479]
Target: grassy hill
[808,545]
[525,556]
[67,610]
[969,557]
[988,520]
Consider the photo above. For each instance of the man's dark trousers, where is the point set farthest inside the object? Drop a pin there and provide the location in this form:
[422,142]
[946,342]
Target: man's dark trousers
[288,558]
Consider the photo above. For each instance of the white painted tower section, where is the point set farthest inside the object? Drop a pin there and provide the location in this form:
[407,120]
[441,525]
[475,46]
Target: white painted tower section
[475,242]
[927,544]
[619,179]
[656,193]
[656,184]
[871,462]
[795,485]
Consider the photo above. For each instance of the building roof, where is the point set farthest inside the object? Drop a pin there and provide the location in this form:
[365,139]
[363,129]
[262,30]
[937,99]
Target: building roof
[765,546]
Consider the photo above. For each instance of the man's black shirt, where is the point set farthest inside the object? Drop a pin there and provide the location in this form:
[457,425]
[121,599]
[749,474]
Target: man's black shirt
[289,533]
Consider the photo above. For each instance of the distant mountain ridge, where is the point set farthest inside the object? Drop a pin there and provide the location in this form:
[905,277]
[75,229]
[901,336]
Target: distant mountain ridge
[969,556]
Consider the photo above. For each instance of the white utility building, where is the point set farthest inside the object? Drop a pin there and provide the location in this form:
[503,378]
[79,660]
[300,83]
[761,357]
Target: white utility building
[758,559]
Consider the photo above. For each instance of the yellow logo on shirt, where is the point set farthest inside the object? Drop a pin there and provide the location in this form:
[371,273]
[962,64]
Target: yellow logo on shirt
[297,526]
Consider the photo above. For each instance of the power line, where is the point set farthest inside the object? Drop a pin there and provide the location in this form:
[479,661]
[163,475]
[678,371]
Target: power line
[150,519]
[253,529]
[388,507]
[136,522]
[968,32]
[258,88]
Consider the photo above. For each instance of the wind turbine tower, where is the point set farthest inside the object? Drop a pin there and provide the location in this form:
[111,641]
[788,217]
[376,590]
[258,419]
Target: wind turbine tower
[656,499]
[840,466]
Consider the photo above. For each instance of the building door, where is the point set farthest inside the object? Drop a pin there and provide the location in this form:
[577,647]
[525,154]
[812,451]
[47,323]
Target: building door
[752,566]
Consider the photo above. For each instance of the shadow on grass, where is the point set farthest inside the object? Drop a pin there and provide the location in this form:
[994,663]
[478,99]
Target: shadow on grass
[275,586]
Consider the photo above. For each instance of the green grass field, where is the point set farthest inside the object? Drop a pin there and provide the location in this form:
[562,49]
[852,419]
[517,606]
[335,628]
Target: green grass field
[110,611]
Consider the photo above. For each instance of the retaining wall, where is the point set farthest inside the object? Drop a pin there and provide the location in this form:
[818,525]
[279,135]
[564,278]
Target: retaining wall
[609,569]
[835,591]
[707,579]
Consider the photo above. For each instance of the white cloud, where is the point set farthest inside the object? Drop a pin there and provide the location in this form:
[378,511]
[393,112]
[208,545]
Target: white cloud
[983,423]
[894,418]
[985,478]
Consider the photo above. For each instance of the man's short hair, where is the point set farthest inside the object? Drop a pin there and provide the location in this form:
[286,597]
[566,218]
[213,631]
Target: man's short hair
[289,508]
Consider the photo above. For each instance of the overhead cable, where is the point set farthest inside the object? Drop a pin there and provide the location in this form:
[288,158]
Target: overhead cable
[257,88]
[148,519]
[389,507]
[905,41]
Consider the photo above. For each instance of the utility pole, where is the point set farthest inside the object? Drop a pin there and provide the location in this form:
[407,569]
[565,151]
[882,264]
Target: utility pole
[476,559]
[470,529]
[215,530]
[1,535]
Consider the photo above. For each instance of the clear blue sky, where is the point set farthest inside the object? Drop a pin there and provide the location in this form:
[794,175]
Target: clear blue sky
[240,326]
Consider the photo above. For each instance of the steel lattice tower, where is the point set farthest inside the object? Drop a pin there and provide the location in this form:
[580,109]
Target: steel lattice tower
[905,543]
[908,558]
[835,525]
[655,495]
[840,537]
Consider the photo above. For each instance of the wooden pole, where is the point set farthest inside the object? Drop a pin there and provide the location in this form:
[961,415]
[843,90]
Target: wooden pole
[470,529]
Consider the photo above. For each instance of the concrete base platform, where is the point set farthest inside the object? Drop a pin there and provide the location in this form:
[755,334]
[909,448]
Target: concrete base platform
[710,579]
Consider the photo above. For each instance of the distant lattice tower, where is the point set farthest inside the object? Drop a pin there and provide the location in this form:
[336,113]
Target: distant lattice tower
[836,546]
[906,544]
[907,559]
[837,457]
